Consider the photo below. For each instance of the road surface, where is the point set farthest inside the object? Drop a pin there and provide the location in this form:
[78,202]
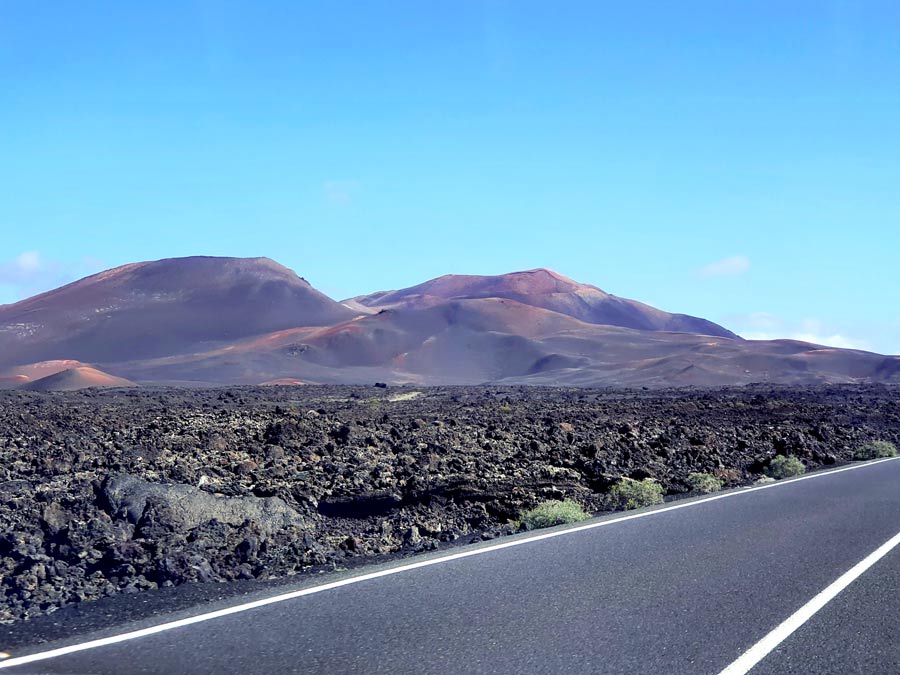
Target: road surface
[692,587]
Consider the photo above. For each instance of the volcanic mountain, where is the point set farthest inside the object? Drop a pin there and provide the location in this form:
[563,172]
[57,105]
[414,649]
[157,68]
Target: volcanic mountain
[545,289]
[152,309]
[209,321]
[18,376]
[72,379]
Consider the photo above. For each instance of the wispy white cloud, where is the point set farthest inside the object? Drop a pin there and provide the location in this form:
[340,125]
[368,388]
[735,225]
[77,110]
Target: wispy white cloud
[763,321]
[30,272]
[23,268]
[726,267]
[835,340]
[766,326]
[339,192]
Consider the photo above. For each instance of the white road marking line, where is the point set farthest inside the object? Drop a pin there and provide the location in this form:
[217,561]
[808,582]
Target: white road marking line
[758,652]
[152,630]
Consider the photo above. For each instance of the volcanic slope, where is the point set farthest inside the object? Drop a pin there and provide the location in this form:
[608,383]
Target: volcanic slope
[495,340]
[13,378]
[152,309]
[74,379]
[545,289]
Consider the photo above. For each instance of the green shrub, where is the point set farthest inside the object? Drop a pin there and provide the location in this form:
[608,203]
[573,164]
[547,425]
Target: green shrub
[785,466]
[553,512]
[876,450]
[705,482]
[633,494]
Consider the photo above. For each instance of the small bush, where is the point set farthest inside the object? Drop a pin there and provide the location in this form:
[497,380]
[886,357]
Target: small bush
[729,475]
[876,450]
[785,466]
[553,512]
[705,482]
[633,494]
[762,480]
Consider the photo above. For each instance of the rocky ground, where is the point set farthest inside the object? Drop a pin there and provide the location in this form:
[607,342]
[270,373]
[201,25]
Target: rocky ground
[107,492]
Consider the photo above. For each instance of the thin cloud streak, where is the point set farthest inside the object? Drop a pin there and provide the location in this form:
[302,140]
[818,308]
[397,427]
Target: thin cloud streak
[727,267]
[767,326]
[30,273]
[339,192]
[836,340]
[23,268]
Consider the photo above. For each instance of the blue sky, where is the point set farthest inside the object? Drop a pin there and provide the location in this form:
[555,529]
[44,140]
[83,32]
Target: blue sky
[734,160]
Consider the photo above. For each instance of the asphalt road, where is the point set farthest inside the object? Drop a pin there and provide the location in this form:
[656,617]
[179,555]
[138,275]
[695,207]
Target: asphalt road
[683,590]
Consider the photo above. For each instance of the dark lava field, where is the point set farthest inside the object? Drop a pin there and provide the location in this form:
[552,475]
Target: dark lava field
[121,491]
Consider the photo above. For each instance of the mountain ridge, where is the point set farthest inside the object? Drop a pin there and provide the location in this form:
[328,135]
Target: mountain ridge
[542,287]
[158,307]
[205,320]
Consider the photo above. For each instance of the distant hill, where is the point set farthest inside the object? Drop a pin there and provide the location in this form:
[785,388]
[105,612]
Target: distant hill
[545,289]
[15,377]
[74,379]
[150,309]
[208,321]
[497,340]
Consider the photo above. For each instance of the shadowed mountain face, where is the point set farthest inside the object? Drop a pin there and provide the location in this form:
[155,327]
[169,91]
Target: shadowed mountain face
[504,341]
[547,290]
[161,308]
[199,321]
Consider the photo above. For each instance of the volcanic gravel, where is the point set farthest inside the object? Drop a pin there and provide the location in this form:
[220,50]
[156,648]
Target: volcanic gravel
[117,491]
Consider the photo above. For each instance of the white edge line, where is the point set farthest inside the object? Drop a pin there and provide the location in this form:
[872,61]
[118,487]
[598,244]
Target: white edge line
[152,630]
[780,633]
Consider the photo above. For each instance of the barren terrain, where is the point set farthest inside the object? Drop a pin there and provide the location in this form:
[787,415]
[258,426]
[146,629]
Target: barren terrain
[120,491]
